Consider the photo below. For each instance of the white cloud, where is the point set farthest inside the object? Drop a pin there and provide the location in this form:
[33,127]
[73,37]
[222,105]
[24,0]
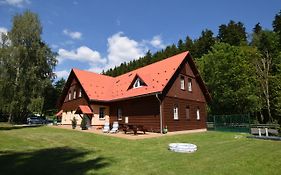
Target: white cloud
[16,3]
[157,42]
[120,49]
[62,74]
[81,54]
[3,30]
[73,35]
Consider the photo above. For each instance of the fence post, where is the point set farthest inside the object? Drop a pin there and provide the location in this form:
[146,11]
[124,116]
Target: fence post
[214,122]
[249,120]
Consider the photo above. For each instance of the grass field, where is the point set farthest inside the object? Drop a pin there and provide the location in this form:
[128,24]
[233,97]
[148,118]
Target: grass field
[46,150]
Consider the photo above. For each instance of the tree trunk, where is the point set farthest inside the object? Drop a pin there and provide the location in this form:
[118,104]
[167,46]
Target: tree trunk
[263,71]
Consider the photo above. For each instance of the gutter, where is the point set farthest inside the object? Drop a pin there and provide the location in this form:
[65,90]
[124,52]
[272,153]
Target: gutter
[161,118]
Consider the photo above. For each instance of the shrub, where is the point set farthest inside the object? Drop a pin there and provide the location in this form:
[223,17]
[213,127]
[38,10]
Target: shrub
[74,123]
[84,124]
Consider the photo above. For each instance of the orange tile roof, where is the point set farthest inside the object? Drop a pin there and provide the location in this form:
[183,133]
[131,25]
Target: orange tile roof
[83,109]
[105,88]
[59,114]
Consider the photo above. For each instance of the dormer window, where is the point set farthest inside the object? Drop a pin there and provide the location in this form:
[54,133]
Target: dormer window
[138,83]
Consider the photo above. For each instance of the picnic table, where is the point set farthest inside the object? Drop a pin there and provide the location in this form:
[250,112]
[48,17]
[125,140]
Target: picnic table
[134,128]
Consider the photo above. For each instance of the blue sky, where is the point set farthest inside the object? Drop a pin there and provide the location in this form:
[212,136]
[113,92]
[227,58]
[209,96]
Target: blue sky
[99,34]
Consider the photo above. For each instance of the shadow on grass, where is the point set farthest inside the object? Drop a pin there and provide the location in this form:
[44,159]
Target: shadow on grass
[12,127]
[49,161]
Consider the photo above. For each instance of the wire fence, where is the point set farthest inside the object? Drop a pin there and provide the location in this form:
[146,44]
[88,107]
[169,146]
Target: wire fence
[232,123]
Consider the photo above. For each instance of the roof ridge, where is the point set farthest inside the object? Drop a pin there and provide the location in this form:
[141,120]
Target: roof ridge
[157,62]
[87,71]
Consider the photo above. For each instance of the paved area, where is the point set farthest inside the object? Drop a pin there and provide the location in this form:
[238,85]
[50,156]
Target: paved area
[129,136]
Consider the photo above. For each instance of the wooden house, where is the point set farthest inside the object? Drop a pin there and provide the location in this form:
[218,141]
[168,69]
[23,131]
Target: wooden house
[169,93]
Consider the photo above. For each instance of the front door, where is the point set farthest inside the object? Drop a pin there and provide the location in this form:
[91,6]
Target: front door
[88,121]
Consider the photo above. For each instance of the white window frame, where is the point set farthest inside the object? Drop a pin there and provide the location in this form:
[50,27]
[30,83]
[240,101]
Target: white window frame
[182,82]
[176,112]
[137,83]
[198,113]
[69,95]
[189,84]
[119,113]
[80,93]
[74,94]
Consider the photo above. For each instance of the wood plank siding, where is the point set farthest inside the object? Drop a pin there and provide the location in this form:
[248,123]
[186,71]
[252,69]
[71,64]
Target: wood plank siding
[143,111]
[183,123]
[175,80]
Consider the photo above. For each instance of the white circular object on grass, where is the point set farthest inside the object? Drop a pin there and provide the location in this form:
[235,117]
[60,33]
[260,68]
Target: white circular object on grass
[183,147]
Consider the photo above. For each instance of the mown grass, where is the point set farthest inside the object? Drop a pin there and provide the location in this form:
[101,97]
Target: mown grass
[46,150]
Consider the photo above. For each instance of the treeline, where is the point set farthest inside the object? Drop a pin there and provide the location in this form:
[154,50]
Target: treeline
[26,71]
[197,48]
[241,70]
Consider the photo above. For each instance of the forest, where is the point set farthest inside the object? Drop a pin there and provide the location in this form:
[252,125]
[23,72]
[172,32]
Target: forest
[241,70]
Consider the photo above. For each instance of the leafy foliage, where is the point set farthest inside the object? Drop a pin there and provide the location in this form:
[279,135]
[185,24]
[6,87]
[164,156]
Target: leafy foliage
[230,77]
[232,33]
[84,123]
[74,123]
[27,65]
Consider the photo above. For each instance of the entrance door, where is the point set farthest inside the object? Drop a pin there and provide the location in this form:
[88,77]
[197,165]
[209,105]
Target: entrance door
[88,121]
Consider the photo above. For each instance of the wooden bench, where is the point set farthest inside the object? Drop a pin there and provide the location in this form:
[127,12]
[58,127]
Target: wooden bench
[134,128]
[255,131]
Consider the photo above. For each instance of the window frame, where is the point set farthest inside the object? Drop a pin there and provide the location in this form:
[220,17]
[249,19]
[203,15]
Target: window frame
[69,95]
[102,113]
[80,93]
[119,114]
[74,94]
[137,83]
[176,112]
[198,114]
[189,85]
[182,82]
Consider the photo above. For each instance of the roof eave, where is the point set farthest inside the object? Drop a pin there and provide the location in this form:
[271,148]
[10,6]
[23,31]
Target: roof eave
[126,98]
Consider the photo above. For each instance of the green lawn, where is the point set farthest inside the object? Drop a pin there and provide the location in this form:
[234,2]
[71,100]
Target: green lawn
[46,150]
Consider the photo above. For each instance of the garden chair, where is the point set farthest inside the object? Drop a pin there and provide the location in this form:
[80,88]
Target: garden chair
[115,127]
[106,127]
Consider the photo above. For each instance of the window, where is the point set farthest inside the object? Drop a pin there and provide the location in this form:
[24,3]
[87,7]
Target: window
[198,114]
[182,83]
[80,93]
[189,84]
[176,112]
[69,95]
[119,114]
[101,116]
[187,112]
[74,94]
[137,83]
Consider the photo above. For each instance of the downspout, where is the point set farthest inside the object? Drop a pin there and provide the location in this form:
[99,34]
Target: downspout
[161,119]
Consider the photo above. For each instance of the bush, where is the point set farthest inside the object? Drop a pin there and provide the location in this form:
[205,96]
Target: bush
[74,123]
[84,124]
